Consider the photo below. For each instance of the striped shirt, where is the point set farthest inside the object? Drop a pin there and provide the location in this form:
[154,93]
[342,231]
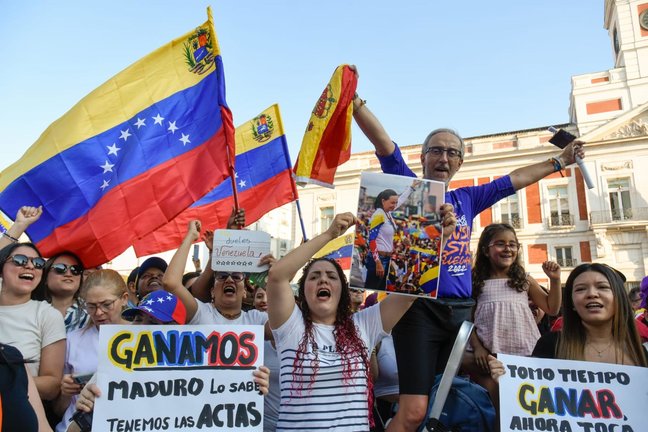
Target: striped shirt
[329,402]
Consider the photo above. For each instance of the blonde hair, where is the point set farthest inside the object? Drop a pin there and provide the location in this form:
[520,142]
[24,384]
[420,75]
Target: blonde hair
[110,279]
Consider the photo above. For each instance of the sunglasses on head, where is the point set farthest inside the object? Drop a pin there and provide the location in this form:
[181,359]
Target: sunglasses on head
[237,277]
[21,260]
[61,268]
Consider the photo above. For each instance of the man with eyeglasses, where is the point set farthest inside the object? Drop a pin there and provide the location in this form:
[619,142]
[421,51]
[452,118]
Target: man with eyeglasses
[424,336]
[357,297]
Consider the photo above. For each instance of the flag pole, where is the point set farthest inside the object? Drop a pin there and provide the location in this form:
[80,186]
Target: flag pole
[230,164]
[301,219]
[293,185]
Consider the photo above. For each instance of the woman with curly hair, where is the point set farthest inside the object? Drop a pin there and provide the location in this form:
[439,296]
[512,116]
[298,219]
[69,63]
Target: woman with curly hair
[504,323]
[324,348]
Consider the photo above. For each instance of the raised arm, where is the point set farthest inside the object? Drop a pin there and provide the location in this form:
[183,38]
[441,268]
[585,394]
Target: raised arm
[370,126]
[280,296]
[201,286]
[26,216]
[525,176]
[551,302]
[172,279]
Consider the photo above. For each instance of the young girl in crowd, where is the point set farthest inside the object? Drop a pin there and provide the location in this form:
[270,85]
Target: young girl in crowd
[60,286]
[324,349]
[504,323]
[33,327]
[597,325]
[105,296]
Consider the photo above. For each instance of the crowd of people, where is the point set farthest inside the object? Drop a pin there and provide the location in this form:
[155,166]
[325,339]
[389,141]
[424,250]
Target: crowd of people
[330,362]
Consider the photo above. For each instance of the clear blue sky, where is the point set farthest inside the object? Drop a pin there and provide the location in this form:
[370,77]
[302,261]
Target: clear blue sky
[480,67]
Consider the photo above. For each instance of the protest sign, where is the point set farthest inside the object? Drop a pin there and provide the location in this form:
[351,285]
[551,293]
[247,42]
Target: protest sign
[564,395]
[398,235]
[240,250]
[188,378]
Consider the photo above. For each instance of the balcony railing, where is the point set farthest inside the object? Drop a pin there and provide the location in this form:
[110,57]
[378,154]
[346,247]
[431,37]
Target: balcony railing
[567,262]
[619,215]
[563,220]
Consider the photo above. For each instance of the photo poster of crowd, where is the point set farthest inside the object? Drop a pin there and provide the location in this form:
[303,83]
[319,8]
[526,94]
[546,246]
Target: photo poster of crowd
[398,235]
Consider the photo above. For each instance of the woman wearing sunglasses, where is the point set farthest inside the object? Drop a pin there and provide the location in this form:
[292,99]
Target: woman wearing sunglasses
[105,296]
[227,291]
[35,328]
[60,286]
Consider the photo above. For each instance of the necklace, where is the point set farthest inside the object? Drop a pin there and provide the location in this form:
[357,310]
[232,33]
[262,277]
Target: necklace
[600,353]
[229,316]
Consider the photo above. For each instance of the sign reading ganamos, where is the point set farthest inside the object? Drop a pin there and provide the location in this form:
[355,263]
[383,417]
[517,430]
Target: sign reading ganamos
[190,378]
[562,395]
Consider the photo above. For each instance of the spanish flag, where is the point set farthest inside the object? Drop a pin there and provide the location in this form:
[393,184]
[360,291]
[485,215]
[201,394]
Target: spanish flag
[263,181]
[327,140]
[129,156]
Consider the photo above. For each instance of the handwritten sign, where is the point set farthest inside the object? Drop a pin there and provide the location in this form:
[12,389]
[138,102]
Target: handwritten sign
[189,378]
[240,250]
[562,395]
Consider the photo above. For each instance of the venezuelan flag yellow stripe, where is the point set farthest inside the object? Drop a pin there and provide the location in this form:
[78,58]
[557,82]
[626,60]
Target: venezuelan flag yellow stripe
[159,75]
[248,137]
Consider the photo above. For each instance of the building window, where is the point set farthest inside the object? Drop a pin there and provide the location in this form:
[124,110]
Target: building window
[619,193]
[564,256]
[326,218]
[509,209]
[559,206]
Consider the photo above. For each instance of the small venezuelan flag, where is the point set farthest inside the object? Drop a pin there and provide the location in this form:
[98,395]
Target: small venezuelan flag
[339,249]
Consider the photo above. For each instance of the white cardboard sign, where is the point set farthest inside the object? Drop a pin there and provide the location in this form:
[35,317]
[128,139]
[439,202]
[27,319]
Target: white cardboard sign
[169,377]
[239,250]
[564,395]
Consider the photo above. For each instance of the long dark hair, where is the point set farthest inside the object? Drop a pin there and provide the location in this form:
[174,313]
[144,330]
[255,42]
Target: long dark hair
[386,194]
[348,343]
[624,332]
[42,291]
[8,251]
[483,268]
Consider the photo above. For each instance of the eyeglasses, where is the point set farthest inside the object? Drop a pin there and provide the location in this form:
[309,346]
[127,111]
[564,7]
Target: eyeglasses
[105,306]
[236,277]
[61,268]
[438,151]
[21,260]
[357,290]
[503,245]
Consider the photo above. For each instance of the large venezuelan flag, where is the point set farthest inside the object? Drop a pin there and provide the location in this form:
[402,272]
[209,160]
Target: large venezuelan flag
[339,249]
[129,156]
[263,181]
[327,140]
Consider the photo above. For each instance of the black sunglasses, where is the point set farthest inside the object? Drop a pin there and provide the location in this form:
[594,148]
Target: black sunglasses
[236,276]
[61,268]
[21,260]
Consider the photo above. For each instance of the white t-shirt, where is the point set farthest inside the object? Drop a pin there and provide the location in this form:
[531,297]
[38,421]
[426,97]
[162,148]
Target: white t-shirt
[81,357]
[30,327]
[208,314]
[331,403]
[272,400]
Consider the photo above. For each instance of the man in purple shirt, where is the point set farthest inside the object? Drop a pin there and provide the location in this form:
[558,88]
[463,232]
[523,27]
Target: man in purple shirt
[424,336]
